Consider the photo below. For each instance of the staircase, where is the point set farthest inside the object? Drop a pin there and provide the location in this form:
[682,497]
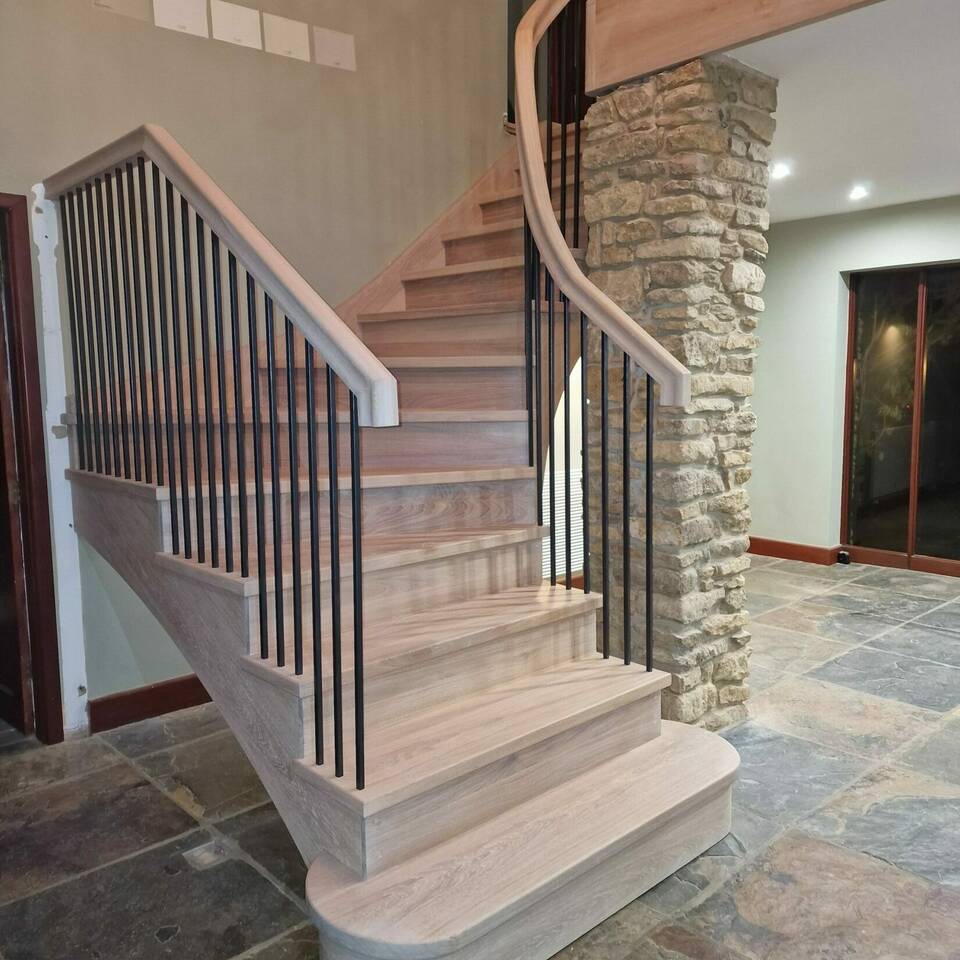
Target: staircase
[343,536]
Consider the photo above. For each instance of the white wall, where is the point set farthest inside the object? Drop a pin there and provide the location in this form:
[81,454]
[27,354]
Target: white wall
[800,380]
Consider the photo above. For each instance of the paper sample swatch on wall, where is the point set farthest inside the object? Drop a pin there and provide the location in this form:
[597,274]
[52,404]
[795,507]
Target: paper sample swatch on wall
[334,49]
[289,38]
[236,24]
[137,9]
[187,16]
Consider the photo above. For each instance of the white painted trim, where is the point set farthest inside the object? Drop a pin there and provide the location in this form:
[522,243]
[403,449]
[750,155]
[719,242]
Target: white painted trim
[66,552]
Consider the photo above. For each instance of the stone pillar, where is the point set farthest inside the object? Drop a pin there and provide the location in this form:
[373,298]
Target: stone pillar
[675,187]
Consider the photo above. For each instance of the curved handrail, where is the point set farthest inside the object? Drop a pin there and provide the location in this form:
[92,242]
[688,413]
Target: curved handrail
[666,370]
[374,386]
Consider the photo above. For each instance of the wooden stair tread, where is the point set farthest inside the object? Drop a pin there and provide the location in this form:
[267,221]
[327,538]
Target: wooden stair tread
[379,552]
[458,269]
[431,633]
[485,308]
[452,894]
[426,748]
[435,362]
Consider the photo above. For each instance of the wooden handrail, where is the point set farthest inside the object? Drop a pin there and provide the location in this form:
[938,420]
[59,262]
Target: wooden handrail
[672,376]
[374,386]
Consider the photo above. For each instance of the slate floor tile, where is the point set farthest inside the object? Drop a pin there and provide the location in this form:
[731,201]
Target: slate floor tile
[616,937]
[779,650]
[838,717]
[209,778]
[262,835]
[155,906]
[913,583]
[761,677]
[899,816]
[917,640]
[946,617]
[749,834]
[302,944]
[821,619]
[772,583]
[161,733]
[756,561]
[783,778]
[837,572]
[64,829]
[907,679]
[670,941]
[936,754]
[25,767]
[758,603]
[810,900]
[879,602]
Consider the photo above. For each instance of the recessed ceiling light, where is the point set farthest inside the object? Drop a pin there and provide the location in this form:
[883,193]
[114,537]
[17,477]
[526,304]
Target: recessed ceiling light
[780,170]
[859,192]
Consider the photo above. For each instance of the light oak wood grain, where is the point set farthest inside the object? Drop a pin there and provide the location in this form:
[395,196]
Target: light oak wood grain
[630,38]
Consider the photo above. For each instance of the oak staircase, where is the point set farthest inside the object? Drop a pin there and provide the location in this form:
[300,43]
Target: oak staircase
[486,784]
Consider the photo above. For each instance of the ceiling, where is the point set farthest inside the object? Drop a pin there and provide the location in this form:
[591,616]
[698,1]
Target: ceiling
[871,97]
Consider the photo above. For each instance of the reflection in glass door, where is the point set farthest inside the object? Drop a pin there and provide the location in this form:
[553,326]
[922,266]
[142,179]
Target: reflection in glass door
[903,442]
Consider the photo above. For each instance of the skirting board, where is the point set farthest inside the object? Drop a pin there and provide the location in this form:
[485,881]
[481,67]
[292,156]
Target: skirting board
[784,550]
[141,703]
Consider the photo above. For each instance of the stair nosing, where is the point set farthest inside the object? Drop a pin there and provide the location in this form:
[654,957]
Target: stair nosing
[457,269]
[249,586]
[378,796]
[302,686]
[607,837]
[483,308]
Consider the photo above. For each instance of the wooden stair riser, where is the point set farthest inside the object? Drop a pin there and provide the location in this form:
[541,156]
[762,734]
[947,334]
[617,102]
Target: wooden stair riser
[495,285]
[393,690]
[444,388]
[447,809]
[505,240]
[443,336]
[429,506]
[401,590]
[508,207]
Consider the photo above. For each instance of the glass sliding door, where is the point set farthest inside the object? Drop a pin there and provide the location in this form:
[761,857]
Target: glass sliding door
[884,363]
[938,481]
[902,502]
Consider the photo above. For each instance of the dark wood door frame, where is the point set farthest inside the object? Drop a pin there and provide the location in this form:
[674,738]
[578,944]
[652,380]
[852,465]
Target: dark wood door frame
[23,412]
[908,560]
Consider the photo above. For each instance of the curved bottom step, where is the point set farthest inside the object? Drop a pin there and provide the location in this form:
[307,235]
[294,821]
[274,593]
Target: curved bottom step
[528,882]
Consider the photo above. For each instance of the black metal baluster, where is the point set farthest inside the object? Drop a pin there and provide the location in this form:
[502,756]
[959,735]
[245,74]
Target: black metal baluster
[314,492]
[178,371]
[240,414]
[117,326]
[165,359]
[605,486]
[207,391]
[648,585]
[102,283]
[260,507]
[99,444]
[293,442]
[151,320]
[528,285]
[270,336]
[135,412]
[585,452]
[551,425]
[70,273]
[563,44]
[627,627]
[538,352]
[106,464]
[356,505]
[579,85]
[568,533]
[223,411]
[334,474]
[186,261]
[138,311]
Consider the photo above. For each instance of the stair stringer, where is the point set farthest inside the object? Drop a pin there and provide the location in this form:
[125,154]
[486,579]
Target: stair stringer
[127,524]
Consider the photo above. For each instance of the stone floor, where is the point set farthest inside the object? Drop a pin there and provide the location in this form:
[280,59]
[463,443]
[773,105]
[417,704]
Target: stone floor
[157,841]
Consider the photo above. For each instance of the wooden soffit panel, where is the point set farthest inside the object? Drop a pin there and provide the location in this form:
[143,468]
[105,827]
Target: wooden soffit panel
[629,38]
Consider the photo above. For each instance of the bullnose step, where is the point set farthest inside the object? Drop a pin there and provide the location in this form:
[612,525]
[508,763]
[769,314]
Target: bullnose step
[532,879]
